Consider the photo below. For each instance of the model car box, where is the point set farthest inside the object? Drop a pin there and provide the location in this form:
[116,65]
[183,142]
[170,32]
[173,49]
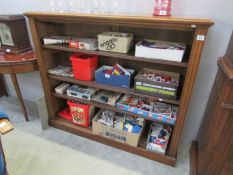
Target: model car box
[160,50]
[81,113]
[158,137]
[156,110]
[107,97]
[162,84]
[124,81]
[113,133]
[115,41]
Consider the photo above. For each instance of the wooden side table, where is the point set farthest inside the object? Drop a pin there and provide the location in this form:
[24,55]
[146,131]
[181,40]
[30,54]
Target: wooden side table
[18,63]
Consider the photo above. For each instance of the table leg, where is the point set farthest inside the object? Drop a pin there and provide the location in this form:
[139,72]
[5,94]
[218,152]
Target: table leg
[19,95]
[3,89]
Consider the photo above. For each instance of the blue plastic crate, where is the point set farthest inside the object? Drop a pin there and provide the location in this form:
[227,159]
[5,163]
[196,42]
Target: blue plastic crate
[113,80]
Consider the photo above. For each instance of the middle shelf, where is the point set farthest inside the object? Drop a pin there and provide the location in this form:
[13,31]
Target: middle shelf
[93,84]
[104,106]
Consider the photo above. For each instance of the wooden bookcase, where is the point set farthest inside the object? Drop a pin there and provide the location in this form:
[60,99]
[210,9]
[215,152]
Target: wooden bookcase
[189,31]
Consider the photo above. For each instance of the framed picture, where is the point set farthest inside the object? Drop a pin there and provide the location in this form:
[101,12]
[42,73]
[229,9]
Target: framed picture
[5,35]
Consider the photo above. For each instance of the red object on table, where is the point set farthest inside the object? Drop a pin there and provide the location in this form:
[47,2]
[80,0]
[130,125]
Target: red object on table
[162,8]
[84,66]
[80,113]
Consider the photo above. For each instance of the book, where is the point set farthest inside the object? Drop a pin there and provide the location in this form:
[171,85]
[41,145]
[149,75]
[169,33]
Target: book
[5,126]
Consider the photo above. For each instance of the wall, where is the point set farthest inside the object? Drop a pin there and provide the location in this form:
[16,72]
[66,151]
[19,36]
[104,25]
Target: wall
[216,44]
[220,11]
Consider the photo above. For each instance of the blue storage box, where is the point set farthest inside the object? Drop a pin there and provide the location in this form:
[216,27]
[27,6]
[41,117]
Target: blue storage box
[113,80]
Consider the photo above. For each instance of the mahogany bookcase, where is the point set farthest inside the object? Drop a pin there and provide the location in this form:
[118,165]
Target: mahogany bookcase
[192,32]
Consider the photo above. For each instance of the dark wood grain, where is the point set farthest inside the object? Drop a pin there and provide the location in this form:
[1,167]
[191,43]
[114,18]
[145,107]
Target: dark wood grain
[193,158]
[3,88]
[215,140]
[229,53]
[168,29]
[19,95]
[19,34]
[189,82]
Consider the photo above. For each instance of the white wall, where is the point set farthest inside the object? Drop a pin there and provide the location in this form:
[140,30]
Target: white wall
[219,11]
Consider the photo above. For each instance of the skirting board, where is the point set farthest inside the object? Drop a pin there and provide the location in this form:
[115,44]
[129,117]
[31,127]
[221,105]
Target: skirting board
[42,111]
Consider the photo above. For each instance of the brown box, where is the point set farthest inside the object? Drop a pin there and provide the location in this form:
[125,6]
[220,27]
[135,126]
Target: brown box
[159,89]
[114,134]
[115,41]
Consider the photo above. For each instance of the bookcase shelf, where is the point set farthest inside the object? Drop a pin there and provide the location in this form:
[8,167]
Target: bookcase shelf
[93,84]
[130,56]
[181,30]
[103,106]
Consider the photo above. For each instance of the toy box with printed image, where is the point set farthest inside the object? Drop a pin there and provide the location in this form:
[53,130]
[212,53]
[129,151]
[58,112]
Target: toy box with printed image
[158,137]
[115,41]
[157,83]
[119,127]
[149,109]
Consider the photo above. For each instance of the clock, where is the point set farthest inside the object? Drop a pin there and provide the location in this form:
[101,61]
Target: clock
[13,34]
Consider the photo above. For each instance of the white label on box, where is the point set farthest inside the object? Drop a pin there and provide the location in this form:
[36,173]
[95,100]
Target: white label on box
[107,75]
[200,37]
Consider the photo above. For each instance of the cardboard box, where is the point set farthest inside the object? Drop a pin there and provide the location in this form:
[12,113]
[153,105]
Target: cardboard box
[115,42]
[158,138]
[159,89]
[114,134]
[113,80]
[160,50]
[163,117]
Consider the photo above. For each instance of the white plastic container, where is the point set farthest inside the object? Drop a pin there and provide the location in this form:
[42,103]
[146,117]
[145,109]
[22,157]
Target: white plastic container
[160,50]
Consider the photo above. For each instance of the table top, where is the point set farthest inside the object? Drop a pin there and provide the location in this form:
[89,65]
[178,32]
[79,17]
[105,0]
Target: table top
[23,58]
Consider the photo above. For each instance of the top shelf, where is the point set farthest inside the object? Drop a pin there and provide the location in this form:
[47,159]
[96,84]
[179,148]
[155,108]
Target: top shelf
[129,56]
[143,19]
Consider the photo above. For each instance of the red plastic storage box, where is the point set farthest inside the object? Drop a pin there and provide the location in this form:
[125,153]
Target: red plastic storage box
[65,113]
[84,66]
[81,113]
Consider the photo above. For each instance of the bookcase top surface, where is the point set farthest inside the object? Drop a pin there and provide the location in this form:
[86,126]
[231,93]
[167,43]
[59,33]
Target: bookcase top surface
[130,18]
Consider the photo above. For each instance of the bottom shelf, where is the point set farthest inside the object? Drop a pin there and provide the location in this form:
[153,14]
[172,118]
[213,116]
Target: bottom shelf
[87,133]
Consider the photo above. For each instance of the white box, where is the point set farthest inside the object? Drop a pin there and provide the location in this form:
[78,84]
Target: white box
[160,50]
